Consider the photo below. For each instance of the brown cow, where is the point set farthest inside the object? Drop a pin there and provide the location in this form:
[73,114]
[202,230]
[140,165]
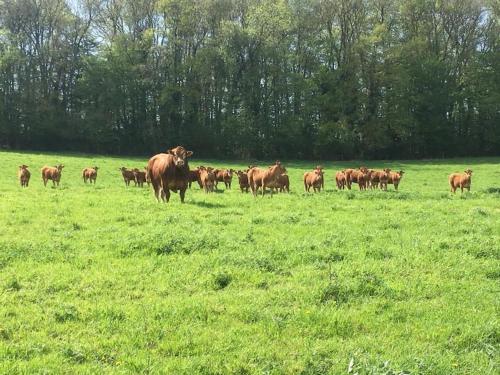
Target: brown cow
[89,174]
[52,173]
[281,184]
[208,178]
[243,181]
[24,175]
[170,172]
[395,178]
[358,176]
[224,175]
[264,177]
[313,179]
[340,179]
[148,180]
[462,180]
[128,175]
[378,177]
[194,175]
[139,176]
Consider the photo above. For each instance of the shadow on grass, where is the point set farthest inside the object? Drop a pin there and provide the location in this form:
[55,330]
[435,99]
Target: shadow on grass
[207,204]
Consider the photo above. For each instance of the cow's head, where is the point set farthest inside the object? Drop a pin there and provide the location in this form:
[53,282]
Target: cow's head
[23,166]
[59,167]
[363,169]
[96,168]
[387,170]
[123,169]
[180,155]
[401,173]
[468,172]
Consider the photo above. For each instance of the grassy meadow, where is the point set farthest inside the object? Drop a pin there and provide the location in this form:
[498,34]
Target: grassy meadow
[102,279]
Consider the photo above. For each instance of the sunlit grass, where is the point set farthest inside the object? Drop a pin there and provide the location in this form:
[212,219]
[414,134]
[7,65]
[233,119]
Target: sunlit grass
[103,279]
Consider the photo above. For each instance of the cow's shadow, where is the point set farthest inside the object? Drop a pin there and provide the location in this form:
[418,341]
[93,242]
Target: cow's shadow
[207,204]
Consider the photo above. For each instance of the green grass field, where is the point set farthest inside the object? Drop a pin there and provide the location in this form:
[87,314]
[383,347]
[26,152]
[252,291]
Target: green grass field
[102,279]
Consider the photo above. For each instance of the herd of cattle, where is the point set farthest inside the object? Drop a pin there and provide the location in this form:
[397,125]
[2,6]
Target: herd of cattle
[170,172]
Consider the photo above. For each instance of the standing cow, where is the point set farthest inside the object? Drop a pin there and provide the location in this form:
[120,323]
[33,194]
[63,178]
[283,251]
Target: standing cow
[52,173]
[340,179]
[139,176]
[170,172]
[258,178]
[90,174]
[314,179]
[128,175]
[243,181]
[460,180]
[24,175]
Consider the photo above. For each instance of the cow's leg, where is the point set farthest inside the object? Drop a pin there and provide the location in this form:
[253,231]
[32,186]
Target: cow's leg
[166,194]
[156,188]
[396,187]
[182,193]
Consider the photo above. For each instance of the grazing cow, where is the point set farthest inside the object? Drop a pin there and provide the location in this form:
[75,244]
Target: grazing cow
[52,173]
[395,178]
[170,172]
[340,179]
[264,177]
[358,176]
[89,174]
[128,175]
[314,179]
[243,181]
[24,175]
[462,180]
[194,175]
[139,176]
[208,178]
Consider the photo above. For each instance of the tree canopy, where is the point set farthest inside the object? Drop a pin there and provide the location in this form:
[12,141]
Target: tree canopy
[333,79]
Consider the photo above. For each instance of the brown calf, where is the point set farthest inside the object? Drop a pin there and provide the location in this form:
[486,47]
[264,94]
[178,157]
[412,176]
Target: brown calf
[194,175]
[207,177]
[139,176]
[128,175]
[462,180]
[395,178]
[340,179]
[379,177]
[24,175]
[264,177]
[89,174]
[243,181]
[52,173]
[281,184]
[358,176]
[314,179]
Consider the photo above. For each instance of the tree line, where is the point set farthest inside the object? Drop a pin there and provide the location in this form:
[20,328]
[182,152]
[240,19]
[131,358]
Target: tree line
[332,79]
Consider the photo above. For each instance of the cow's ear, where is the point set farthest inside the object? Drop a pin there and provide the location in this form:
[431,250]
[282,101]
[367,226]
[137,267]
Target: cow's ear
[189,153]
[170,151]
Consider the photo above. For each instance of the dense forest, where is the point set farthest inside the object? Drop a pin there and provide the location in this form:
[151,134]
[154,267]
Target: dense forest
[332,79]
